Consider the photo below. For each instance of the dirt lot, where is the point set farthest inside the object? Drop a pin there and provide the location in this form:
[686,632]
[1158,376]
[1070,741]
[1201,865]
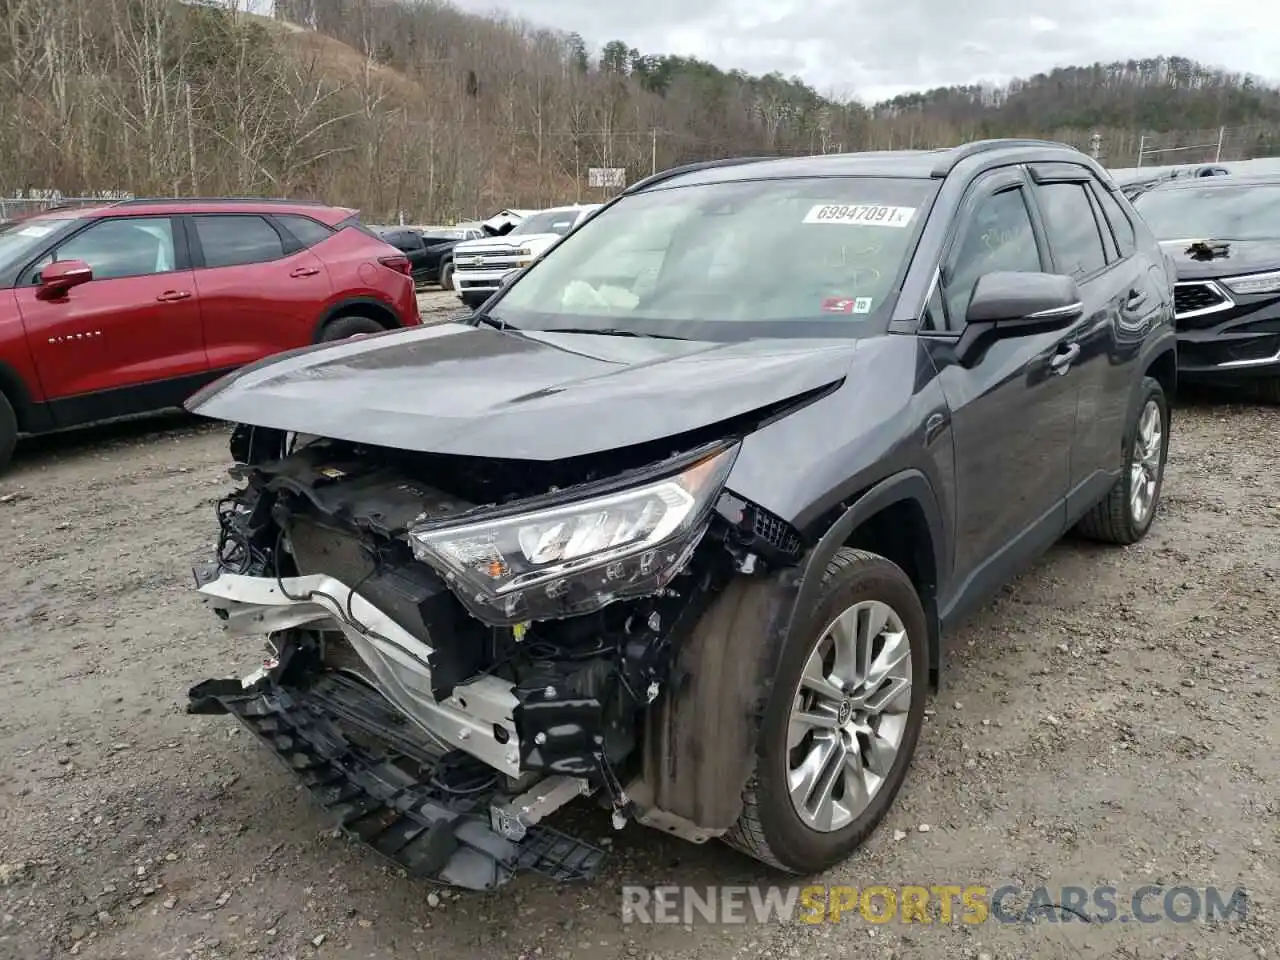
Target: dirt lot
[1109,720]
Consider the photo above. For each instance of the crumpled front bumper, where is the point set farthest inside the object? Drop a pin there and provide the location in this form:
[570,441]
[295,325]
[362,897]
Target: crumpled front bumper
[348,742]
[255,606]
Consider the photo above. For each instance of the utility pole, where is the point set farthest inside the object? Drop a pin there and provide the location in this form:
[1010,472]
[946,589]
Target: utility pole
[1142,148]
[1217,156]
[1095,146]
[653,153]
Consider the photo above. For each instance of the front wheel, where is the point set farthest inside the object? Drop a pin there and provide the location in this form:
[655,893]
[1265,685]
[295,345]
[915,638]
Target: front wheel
[446,276]
[1124,515]
[8,432]
[842,722]
[1268,391]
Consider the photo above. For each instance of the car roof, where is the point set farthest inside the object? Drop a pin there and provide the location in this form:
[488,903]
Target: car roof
[161,206]
[908,164]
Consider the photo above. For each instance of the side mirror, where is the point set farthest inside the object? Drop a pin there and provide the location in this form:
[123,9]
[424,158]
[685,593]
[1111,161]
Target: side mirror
[60,276]
[1016,304]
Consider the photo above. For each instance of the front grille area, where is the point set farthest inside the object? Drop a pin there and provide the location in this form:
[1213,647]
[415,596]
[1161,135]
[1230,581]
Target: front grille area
[404,593]
[1189,299]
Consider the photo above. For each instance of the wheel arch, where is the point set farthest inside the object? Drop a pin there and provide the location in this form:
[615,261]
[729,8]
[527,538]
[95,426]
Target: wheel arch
[15,391]
[1164,368]
[898,518]
[719,684]
[368,307]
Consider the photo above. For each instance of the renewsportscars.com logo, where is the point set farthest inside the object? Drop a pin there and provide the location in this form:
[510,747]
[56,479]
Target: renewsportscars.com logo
[945,904]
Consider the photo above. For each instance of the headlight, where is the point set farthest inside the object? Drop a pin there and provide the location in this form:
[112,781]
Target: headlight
[1254,283]
[572,558]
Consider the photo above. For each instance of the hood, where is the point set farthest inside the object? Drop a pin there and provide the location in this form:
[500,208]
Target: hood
[1242,256]
[536,241]
[477,391]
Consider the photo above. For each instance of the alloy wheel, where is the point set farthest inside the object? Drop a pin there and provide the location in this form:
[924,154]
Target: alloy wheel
[1145,463]
[849,715]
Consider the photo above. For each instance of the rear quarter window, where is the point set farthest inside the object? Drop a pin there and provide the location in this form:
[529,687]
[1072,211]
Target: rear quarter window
[306,231]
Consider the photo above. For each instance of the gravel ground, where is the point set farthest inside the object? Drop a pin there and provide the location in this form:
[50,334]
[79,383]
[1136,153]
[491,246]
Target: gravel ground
[1110,719]
[438,304]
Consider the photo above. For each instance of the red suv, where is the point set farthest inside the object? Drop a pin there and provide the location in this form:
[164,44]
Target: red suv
[128,307]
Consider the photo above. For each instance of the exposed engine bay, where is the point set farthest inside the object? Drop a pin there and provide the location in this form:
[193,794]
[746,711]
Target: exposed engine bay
[457,647]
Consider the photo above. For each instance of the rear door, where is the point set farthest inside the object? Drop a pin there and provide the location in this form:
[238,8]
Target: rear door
[134,329]
[261,290]
[1083,247]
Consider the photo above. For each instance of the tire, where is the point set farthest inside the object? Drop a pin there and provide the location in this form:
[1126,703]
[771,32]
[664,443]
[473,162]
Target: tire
[446,276]
[1118,518]
[1268,390]
[472,302]
[770,828]
[8,432]
[340,328]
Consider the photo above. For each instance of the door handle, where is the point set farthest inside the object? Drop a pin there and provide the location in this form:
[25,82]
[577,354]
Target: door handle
[1135,299]
[1062,360]
[305,272]
[171,295]
[934,426]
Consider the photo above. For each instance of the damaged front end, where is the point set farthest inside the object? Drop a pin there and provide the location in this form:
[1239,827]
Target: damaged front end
[458,647]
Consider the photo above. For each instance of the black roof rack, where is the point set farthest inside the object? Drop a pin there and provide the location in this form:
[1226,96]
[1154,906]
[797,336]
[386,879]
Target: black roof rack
[662,175]
[953,157]
[285,200]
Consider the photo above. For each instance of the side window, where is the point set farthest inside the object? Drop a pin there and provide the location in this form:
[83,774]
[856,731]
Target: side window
[306,231]
[1072,229]
[232,240]
[997,237]
[1108,241]
[1121,225]
[125,247]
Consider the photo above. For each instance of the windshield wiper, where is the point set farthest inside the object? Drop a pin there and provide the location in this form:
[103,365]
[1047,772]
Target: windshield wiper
[609,332]
[481,316]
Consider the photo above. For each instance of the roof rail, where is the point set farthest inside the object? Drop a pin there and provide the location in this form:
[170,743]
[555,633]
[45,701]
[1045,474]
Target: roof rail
[284,200]
[667,174]
[953,157]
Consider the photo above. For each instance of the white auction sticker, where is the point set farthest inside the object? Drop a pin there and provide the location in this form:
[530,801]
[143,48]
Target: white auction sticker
[868,214]
[862,305]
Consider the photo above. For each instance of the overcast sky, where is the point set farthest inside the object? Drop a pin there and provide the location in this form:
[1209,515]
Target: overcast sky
[875,49]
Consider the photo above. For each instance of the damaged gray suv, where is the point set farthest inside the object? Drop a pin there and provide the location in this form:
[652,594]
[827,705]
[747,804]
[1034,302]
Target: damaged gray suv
[679,518]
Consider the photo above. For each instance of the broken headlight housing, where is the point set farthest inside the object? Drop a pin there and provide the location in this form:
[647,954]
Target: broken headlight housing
[576,556]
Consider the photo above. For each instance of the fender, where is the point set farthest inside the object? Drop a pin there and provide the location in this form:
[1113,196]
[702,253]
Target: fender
[908,485]
[694,792]
[380,310]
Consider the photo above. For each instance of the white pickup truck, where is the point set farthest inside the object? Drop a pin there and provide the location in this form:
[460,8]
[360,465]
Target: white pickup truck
[480,266]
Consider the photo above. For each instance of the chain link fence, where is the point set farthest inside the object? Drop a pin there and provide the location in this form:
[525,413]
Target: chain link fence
[15,208]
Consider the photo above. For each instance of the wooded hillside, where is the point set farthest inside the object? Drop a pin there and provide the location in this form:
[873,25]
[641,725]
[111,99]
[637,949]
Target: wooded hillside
[418,107]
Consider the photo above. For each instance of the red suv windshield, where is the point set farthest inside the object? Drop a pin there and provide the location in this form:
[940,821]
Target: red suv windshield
[21,238]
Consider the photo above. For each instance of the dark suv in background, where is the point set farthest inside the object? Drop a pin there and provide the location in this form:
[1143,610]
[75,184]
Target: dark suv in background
[127,307]
[662,526]
[1224,236]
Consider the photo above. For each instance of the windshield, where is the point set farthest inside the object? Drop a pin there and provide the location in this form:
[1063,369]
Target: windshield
[1243,212]
[548,221]
[817,256]
[22,238]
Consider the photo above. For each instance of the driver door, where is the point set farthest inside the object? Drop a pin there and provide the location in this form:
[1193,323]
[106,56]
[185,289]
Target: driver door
[1013,407]
[129,330]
